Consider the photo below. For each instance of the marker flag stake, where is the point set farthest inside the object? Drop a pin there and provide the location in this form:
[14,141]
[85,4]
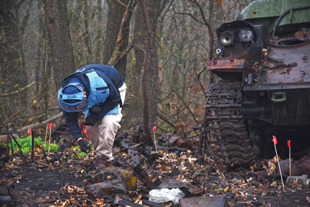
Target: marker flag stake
[289,155]
[45,138]
[85,131]
[87,134]
[154,129]
[274,139]
[49,125]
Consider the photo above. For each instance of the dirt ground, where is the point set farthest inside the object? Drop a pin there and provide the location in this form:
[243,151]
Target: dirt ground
[61,183]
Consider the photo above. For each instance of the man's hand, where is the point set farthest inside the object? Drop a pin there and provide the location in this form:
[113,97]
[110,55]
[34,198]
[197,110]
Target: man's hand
[83,145]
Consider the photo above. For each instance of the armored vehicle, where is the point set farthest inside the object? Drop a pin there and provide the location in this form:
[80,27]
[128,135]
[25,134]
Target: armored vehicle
[263,61]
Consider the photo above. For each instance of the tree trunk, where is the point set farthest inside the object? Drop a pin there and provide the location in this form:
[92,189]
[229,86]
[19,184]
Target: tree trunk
[145,66]
[57,25]
[87,35]
[98,43]
[116,12]
[12,62]
[140,35]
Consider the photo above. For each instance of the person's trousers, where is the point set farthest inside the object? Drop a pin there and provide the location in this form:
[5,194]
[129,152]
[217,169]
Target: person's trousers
[102,134]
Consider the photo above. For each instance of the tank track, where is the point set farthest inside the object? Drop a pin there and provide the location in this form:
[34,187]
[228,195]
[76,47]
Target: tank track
[227,132]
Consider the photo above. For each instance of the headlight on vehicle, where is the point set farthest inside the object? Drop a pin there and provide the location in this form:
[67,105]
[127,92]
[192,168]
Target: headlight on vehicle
[246,35]
[227,38]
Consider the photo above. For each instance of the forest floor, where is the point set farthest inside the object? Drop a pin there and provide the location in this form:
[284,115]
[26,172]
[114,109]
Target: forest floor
[62,181]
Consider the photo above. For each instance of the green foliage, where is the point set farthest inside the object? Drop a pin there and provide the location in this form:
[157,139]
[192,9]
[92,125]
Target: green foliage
[75,148]
[25,144]
[81,154]
[78,151]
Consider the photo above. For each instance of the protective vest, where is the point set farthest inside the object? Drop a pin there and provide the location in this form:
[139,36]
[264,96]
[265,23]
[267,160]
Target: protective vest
[99,92]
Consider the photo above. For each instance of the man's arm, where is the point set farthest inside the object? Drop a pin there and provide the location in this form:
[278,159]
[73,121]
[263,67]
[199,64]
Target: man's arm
[72,124]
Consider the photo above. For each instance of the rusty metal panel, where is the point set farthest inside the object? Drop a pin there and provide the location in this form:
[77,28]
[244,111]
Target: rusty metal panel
[211,201]
[226,64]
[286,67]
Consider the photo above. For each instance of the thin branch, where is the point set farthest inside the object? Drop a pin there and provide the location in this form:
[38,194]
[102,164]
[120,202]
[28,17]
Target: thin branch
[230,10]
[185,104]
[121,3]
[165,97]
[123,53]
[18,145]
[189,14]
[86,32]
[221,6]
[162,6]
[15,92]
[25,19]
[38,115]
[179,111]
[205,122]
[27,105]
[198,75]
[211,42]
[32,126]
[119,40]
[181,46]
[162,117]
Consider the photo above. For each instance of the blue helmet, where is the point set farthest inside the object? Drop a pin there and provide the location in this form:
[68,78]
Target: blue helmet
[72,97]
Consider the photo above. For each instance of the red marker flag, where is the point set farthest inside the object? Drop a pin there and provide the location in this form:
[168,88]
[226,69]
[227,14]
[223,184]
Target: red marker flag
[49,125]
[154,129]
[29,131]
[87,133]
[274,139]
[289,143]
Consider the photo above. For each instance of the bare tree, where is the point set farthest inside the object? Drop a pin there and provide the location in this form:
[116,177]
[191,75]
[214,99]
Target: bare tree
[12,61]
[146,60]
[150,90]
[56,20]
[115,15]
[87,31]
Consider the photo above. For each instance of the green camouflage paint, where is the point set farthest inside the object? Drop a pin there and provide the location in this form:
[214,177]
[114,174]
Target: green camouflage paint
[266,12]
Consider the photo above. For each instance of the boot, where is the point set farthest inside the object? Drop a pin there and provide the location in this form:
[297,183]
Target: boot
[101,162]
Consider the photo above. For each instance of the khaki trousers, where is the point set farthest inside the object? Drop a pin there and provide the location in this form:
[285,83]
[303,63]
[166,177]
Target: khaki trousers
[102,134]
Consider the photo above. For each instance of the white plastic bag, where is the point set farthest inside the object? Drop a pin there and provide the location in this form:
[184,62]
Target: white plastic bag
[164,195]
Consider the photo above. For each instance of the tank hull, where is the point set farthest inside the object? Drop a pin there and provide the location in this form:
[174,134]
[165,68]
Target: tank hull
[271,74]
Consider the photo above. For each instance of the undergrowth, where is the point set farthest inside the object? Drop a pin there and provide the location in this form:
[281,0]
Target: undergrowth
[25,144]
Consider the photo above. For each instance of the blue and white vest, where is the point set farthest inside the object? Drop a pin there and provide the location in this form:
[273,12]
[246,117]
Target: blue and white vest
[99,92]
